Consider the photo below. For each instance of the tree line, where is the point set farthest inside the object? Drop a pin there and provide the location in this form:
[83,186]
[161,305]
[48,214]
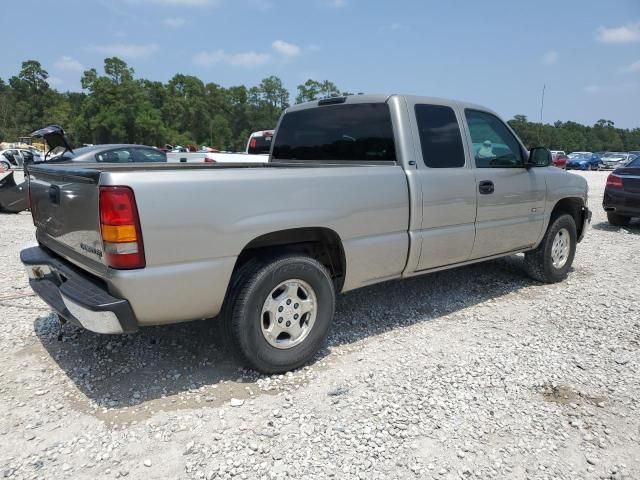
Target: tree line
[117,107]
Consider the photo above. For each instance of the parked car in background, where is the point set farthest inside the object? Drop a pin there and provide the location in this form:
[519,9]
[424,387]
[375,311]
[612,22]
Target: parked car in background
[358,190]
[111,153]
[260,142]
[559,160]
[613,160]
[14,197]
[621,198]
[583,161]
[17,157]
[257,151]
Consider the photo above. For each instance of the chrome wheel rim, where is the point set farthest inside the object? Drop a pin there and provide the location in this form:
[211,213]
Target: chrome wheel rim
[560,248]
[288,314]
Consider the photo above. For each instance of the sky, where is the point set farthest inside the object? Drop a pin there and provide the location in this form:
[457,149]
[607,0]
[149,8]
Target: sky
[497,53]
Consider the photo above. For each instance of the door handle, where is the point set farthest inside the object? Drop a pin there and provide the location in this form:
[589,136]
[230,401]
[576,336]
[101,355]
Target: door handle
[486,187]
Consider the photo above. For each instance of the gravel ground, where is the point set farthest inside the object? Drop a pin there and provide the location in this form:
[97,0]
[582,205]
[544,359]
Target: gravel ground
[477,372]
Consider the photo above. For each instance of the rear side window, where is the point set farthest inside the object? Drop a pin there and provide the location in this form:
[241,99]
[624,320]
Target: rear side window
[347,132]
[149,155]
[440,136]
[115,156]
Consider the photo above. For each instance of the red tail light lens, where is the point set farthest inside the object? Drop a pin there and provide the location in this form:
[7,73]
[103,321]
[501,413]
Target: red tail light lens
[253,144]
[120,228]
[614,181]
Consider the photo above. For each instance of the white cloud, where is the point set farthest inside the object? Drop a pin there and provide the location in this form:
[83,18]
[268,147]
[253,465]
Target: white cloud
[175,22]
[633,68]
[245,59]
[126,50]
[69,64]
[55,82]
[550,58]
[286,49]
[625,34]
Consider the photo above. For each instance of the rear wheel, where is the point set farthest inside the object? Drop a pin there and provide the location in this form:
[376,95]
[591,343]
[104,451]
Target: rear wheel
[4,166]
[551,261]
[618,220]
[278,314]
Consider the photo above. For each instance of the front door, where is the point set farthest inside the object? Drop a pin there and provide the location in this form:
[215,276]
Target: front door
[511,197]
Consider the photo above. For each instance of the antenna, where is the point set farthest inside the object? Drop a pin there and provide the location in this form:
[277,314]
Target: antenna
[544,87]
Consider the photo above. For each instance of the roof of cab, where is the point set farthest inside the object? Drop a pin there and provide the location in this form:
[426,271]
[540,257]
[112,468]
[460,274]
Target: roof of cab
[382,98]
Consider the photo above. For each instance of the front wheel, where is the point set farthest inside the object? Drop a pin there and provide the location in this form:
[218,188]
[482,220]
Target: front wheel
[551,261]
[4,166]
[279,313]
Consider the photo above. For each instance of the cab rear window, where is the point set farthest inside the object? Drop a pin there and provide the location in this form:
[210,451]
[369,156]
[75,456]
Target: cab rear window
[347,132]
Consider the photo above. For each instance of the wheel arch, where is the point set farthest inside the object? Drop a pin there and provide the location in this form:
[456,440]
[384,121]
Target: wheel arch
[321,243]
[574,206]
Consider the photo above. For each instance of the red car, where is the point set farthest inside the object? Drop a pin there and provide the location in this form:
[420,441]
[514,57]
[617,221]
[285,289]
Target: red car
[559,160]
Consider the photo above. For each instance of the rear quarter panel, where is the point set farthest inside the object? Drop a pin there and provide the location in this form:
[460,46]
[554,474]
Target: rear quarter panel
[196,223]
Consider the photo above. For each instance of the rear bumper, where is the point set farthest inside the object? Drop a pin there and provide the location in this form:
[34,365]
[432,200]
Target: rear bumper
[75,296]
[621,202]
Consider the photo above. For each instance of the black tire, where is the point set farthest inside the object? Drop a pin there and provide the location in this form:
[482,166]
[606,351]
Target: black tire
[6,165]
[242,313]
[618,220]
[539,263]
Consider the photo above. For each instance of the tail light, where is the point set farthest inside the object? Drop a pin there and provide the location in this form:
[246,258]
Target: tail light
[253,144]
[120,228]
[614,181]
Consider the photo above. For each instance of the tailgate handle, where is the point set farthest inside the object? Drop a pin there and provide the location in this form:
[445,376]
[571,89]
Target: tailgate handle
[54,194]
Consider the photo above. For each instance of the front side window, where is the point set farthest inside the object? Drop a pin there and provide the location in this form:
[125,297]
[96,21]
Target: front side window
[439,136]
[494,145]
[347,132]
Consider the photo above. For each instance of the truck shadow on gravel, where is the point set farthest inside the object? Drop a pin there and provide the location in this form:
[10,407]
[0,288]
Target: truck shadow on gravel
[186,365]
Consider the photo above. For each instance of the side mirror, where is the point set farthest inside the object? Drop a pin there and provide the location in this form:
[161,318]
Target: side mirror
[539,157]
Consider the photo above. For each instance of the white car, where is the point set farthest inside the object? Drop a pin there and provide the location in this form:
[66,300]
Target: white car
[257,151]
[613,160]
[17,157]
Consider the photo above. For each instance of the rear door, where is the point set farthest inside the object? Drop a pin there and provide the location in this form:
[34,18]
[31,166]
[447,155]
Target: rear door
[511,198]
[448,186]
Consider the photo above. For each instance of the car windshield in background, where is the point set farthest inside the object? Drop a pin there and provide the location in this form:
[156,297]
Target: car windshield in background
[347,132]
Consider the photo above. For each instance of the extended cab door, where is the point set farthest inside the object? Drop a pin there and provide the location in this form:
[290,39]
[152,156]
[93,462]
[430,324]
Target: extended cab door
[448,185]
[511,197]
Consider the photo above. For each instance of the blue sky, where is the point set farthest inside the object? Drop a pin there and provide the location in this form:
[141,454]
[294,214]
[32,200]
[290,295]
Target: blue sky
[497,53]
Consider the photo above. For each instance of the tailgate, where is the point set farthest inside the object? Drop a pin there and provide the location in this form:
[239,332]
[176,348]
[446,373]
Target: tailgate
[65,209]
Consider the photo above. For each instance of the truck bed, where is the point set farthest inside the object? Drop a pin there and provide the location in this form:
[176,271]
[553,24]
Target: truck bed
[196,219]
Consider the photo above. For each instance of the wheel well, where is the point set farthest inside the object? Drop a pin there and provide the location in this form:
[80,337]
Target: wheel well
[572,206]
[320,243]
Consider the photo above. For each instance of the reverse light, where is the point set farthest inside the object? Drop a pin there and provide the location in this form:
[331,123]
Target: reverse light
[120,228]
[614,181]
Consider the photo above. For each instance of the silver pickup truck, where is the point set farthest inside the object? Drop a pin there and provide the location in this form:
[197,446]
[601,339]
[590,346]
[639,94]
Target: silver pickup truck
[358,190]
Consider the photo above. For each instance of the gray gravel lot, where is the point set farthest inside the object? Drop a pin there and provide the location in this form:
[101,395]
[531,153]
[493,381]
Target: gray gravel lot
[477,373]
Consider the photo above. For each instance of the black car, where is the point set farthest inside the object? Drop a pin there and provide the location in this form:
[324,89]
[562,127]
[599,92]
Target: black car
[622,194]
